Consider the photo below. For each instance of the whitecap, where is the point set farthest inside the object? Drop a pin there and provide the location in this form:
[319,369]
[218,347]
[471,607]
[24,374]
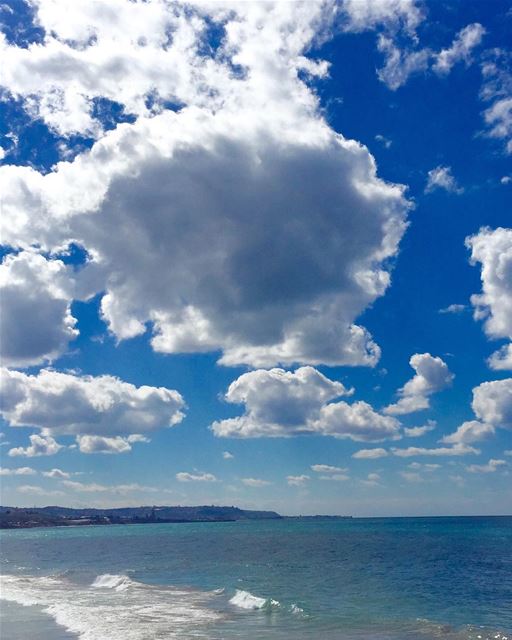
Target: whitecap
[246,600]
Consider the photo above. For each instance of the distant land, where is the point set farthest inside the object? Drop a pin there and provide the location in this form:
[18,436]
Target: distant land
[16,517]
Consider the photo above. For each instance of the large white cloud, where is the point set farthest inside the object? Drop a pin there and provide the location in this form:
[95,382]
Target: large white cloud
[280,403]
[493,249]
[432,375]
[37,323]
[248,227]
[492,403]
[99,410]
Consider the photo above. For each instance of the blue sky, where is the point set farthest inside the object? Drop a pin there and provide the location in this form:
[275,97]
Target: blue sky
[245,242]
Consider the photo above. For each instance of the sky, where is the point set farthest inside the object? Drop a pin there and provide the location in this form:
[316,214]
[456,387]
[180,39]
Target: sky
[257,254]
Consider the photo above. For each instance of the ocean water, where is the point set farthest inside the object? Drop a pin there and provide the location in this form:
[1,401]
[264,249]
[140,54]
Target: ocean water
[354,579]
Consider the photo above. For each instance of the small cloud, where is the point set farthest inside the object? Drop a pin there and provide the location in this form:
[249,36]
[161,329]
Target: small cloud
[297,481]
[453,308]
[442,178]
[386,142]
[506,180]
[370,454]
[492,466]
[184,476]
[20,471]
[417,432]
[508,452]
[372,480]
[458,480]
[327,468]
[39,446]
[418,466]
[57,473]
[459,449]
[255,482]
[227,455]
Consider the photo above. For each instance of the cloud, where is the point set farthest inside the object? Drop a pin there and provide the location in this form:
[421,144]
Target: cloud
[255,482]
[455,450]
[297,481]
[282,403]
[400,63]
[370,454]
[432,375]
[461,48]
[453,308]
[418,466]
[372,480]
[184,476]
[469,432]
[105,412]
[19,471]
[442,178]
[386,142]
[101,444]
[37,323]
[327,468]
[38,491]
[492,466]
[227,455]
[497,93]
[94,487]
[236,165]
[493,250]
[57,473]
[492,403]
[410,476]
[43,445]
[417,432]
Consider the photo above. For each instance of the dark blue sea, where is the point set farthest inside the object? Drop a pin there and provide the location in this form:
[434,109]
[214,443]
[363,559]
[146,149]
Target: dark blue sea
[360,579]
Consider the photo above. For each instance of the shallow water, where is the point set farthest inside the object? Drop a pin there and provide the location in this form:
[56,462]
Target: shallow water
[410,578]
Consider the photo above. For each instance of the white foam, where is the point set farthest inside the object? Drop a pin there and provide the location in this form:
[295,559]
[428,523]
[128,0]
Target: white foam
[246,600]
[112,581]
[114,607]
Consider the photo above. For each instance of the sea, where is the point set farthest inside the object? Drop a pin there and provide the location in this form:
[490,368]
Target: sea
[291,579]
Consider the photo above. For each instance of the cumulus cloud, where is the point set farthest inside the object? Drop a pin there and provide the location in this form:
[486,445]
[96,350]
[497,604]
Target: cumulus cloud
[37,323]
[297,481]
[372,480]
[57,473]
[19,471]
[455,450]
[492,466]
[282,403]
[227,455]
[492,403]
[417,432]
[370,454]
[102,444]
[105,413]
[236,165]
[418,466]
[432,375]
[461,48]
[185,476]
[43,445]
[255,482]
[442,178]
[493,250]
[469,432]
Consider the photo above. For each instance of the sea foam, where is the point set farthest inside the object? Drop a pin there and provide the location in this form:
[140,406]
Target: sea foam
[114,607]
[246,600]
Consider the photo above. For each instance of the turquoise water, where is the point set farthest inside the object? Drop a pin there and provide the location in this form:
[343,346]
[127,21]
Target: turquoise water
[410,578]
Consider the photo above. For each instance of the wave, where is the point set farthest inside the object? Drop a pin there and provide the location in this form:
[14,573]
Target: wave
[246,600]
[114,607]
[112,581]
